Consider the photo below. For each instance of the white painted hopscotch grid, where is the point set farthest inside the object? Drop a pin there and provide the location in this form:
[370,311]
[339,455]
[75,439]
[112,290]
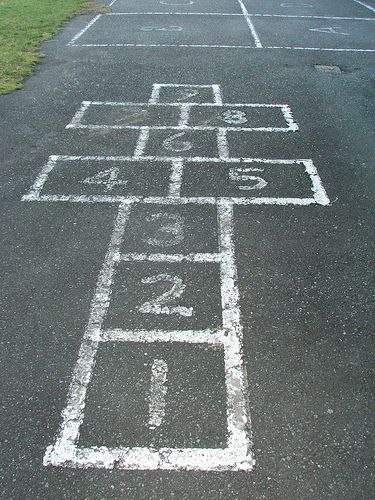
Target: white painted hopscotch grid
[167,28]
[246,177]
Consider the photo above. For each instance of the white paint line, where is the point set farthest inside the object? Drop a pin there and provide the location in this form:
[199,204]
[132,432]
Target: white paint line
[287,112]
[155,94]
[161,257]
[210,337]
[194,459]
[72,416]
[41,179]
[202,200]
[176,178]
[365,5]
[76,120]
[218,97]
[186,128]
[158,391]
[320,194]
[217,47]
[334,18]
[78,35]
[235,373]
[222,143]
[184,117]
[172,14]
[215,105]
[141,143]
[112,3]
[343,18]
[250,25]
[321,49]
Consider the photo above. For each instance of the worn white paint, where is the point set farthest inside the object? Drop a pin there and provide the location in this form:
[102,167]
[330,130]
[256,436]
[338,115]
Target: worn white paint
[168,227]
[166,28]
[158,391]
[331,30]
[370,7]
[142,141]
[162,303]
[88,26]
[250,24]
[176,178]
[222,143]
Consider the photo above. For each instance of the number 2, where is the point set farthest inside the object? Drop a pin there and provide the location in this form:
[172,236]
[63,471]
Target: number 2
[159,305]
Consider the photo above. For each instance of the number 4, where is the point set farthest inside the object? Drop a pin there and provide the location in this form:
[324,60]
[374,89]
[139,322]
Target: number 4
[107,178]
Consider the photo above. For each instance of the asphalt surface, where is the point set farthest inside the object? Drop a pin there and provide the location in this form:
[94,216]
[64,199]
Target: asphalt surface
[305,273]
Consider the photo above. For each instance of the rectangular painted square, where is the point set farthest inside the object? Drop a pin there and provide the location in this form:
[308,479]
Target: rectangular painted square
[109,178]
[175,144]
[186,94]
[331,8]
[165,296]
[188,6]
[171,229]
[315,33]
[253,179]
[169,29]
[122,115]
[188,410]
[238,116]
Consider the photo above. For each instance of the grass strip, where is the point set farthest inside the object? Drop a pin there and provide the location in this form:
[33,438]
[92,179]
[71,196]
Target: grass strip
[24,25]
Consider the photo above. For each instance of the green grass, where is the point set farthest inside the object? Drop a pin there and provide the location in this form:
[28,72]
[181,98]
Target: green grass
[24,25]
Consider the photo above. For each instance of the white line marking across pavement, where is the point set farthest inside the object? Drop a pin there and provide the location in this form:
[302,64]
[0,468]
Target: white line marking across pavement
[250,24]
[365,5]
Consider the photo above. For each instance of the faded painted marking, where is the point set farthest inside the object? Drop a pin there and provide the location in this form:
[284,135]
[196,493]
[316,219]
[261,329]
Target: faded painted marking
[234,117]
[169,230]
[241,174]
[176,144]
[154,28]
[159,305]
[333,30]
[107,178]
[158,391]
[176,178]
[168,2]
[295,5]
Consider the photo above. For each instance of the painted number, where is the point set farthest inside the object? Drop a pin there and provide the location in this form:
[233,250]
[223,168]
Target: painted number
[332,30]
[253,182]
[234,117]
[168,28]
[159,305]
[107,178]
[174,143]
[186,94]
[169,230]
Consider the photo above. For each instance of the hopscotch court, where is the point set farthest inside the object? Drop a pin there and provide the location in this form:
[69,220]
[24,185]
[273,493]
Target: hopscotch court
[344,26]
[168,304]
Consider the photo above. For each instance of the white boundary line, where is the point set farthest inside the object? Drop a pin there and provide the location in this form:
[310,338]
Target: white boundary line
[250,25]
[217,47]
[292,16]
[214,337]
[365,5]
[79,34]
